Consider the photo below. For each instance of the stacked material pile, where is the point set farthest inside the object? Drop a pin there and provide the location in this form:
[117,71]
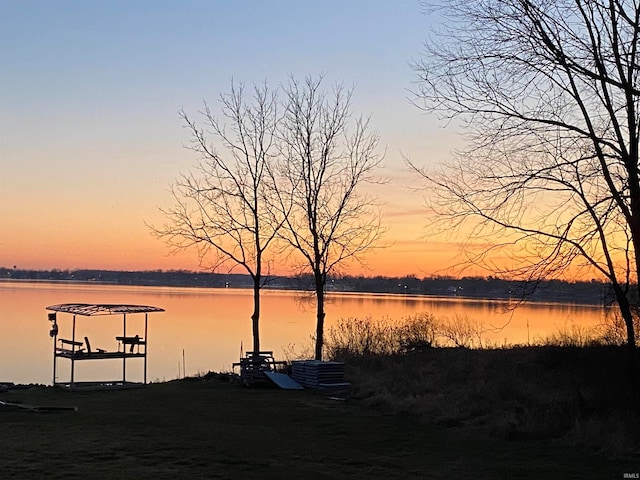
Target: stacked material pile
[318,374]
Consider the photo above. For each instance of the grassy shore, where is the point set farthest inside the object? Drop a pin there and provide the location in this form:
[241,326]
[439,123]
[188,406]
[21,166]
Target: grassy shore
[576,396]
[210,428]
[575,387]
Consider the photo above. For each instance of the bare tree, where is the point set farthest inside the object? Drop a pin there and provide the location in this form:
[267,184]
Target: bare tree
[224,207]
[548,92]
[325,166]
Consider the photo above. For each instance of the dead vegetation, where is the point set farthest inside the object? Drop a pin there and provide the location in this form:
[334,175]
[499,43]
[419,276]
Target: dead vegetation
[571,386]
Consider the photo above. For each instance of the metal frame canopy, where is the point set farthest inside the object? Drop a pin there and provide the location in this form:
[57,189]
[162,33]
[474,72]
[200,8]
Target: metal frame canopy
[74,350]
[91,309]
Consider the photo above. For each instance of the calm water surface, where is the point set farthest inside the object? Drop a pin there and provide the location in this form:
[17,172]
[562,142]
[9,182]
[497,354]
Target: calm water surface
[206,327]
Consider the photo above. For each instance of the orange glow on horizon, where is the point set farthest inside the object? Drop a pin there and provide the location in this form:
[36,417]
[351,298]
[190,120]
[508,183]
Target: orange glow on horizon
[112,237]
[140,251]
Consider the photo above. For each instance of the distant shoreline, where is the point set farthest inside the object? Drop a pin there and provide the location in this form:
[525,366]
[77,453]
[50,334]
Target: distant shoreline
[471,288]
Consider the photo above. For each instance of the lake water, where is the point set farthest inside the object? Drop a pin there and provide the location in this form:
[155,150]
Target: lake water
[202,329]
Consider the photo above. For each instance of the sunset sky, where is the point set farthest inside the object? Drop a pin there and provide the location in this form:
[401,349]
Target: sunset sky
[90,137]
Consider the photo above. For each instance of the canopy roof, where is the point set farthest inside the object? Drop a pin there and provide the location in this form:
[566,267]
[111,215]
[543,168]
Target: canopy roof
[90,309]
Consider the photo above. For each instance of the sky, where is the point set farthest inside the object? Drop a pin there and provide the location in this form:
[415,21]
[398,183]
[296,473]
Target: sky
[91,140]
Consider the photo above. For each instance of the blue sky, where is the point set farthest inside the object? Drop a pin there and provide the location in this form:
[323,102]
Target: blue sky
[90,138]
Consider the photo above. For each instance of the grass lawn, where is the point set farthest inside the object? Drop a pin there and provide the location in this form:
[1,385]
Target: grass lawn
[194,429]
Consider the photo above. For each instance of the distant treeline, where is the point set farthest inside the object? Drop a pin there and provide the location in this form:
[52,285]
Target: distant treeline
[592,292]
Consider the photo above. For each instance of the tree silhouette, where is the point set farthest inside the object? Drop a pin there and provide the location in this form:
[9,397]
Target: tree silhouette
[224,206]
[326,160]
[549,179]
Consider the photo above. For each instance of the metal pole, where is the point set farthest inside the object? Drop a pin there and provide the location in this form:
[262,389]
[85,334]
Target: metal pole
[73,350]
[124,349]
[146,343]
[55,357]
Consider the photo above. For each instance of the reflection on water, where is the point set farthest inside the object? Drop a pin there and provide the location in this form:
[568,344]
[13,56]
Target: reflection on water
[210,325]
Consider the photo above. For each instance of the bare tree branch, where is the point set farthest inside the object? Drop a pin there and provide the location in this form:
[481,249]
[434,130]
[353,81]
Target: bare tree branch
[324,166]
[548,93]
[224,207]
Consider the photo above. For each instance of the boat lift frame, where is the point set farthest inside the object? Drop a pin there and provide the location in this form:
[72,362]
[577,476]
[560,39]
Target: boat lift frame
[73,349]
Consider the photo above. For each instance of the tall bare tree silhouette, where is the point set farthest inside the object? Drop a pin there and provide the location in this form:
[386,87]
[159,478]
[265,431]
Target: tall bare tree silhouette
[548,94]
[327,157]
[224,206]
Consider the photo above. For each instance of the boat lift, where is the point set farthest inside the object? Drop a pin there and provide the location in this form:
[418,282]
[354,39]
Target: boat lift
[75,350]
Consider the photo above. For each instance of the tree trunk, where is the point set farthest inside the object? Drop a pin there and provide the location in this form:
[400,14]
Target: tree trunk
[627,316]
[255,317]
[319,317]
[634,226]
[633,367]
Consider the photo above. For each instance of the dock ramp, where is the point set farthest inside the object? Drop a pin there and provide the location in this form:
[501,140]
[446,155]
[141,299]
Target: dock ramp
[284,381]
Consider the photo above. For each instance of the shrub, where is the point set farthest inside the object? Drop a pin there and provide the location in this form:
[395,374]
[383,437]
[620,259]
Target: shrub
[613,330]
[417,332]
[562,387]
[461,331]
[361,337]
[365,337]
[573,336]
